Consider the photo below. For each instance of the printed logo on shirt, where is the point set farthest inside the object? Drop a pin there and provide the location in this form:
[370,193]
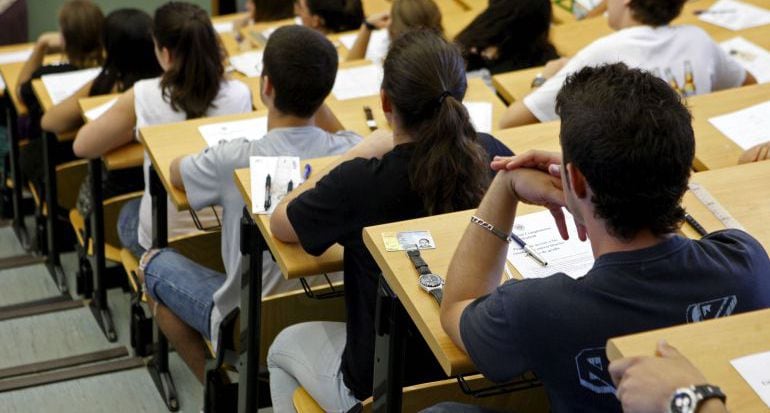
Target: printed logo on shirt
[688,89]
[707,310]
[593,370]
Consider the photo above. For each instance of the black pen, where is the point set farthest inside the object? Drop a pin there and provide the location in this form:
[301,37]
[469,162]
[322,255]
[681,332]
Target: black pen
[719,11]
[696,225]
[370,122]
[290,186]
[267,193]
[529,250]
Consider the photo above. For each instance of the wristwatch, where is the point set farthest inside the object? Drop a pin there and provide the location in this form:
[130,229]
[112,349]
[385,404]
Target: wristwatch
[538,80]
[688,399]
[431,283]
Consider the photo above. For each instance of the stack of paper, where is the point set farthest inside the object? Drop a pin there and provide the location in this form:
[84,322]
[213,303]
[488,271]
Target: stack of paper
[249,63]
[746,127]
[481,115]
[753,58]
[224,27]
[60,86]
[755,369]
[379,41]
[272,177]
[98,111]
[358,82]
[251,129]
[572,257]
[13,57]
[735,15]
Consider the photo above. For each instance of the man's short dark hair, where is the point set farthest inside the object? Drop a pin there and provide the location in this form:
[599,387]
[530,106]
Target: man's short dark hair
[656,12]
[631,136]
[338,15]
[302,66]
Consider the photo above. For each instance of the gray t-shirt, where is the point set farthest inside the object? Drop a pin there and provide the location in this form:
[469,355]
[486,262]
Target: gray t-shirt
[208,181]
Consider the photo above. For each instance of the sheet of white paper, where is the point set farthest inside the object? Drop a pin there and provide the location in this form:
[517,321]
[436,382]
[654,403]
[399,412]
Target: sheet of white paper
[282,170]
[752,57]
[60,86]
[481,115]
[538,230]
[251,129]
[249,63]
[224,27]
[98,111]
[755,369]
[735,15]
[358,82]
[14,57]
[379,41]
[2,84]
[746,127]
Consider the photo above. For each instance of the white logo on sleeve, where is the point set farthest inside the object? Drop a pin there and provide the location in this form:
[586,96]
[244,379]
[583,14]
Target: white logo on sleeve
[593,372]
[707,310]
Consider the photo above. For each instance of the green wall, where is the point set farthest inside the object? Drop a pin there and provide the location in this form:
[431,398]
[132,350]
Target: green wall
[42,13]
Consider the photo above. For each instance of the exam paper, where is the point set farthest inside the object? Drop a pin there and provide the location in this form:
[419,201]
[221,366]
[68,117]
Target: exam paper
[379,41]
[572,257]
[735,15]
[60,86]
[251,129]
[752,57]
[282,170]
[358,82]
[746,127]
[249,63]
[98,111]
[755,369]
[224,27]
[481,115]
[15,57]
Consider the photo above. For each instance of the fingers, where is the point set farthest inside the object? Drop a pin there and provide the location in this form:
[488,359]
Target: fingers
[554,170]
[558,216]
[531,159]
[618,368]
[581,230]
[764,152]
[666,350]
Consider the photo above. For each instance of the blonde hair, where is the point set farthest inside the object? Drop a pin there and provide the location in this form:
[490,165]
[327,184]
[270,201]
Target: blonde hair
[406,15]
[81,23]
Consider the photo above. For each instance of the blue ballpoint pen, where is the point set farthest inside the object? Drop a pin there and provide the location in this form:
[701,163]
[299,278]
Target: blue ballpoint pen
[529,250]
[308,170]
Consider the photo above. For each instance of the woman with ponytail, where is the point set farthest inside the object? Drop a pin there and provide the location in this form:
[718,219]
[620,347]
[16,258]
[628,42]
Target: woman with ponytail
[192,85]
[433,162]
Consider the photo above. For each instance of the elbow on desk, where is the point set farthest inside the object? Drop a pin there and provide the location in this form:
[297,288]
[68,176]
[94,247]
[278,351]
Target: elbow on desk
[281,228]
[81,150]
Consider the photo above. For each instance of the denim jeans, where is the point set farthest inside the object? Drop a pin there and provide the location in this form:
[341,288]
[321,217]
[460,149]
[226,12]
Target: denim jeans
[309,355]
[454,407]
[185,287]
[128,227]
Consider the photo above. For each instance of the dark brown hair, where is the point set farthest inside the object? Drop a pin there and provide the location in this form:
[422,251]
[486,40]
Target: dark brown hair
[408,15]
[424,78]
[81,22]
[192,82]
[656,12]
[338,15]
[271,10]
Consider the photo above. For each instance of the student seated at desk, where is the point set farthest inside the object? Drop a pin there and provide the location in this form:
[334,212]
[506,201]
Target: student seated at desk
[509,35]
[404,15]
[433,163]
[129,57]
[299,69]
[628,147]
[685,56]
[330,16]
[193,85]
[757,153]
[80,39]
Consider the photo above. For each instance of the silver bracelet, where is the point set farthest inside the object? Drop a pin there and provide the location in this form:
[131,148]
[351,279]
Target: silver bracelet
[491,228]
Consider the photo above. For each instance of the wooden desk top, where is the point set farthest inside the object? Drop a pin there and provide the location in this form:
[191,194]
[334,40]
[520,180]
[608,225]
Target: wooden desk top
[166,142]
[293,261]
[351,112]
[11,49]
[710,345]
[127,156]
[543,136]
[10,73]
[515,85]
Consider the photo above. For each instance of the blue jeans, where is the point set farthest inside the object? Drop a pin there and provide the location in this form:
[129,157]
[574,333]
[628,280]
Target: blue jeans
[184,287]
[454,407]
[309,355]
[128,227]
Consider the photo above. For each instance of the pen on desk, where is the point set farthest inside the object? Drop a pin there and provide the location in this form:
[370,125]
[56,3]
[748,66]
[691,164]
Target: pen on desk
[308,171]
[724,11]
[290,186]
[370,122]
[529,250]
[696,225]
[267,193]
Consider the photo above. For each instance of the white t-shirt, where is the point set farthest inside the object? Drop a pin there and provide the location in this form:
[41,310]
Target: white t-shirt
[152,109]
[208,180]
[685,56]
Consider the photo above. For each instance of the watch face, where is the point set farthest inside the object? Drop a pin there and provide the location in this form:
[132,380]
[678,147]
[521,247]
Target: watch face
[430,280]
[684,401]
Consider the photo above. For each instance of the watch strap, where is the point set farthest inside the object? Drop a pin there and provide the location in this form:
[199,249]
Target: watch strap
[437,293]
[418,262]
[708,391]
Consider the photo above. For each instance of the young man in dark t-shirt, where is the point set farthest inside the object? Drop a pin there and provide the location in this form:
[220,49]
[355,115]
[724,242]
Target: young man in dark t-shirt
[627,145]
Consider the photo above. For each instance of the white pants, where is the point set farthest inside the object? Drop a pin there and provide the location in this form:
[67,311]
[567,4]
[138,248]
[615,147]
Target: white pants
[309,355]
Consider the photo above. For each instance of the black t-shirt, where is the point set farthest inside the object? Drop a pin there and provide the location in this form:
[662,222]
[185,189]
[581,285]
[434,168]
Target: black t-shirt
[27,95]
[354,195]
[558,327]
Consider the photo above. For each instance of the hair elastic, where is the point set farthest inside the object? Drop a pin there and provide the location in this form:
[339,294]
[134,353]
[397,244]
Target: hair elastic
[443,96]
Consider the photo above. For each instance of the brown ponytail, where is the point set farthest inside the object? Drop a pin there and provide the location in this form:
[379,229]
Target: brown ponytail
[424,78]
[192,82]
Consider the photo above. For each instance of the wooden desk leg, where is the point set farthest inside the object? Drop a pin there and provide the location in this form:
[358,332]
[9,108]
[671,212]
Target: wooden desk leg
[252,248]
[389,348]
[51,200]
[158,365]
[19,226]
[99,306]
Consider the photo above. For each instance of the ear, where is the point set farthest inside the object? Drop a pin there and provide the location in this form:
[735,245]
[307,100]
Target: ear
[577,181]
[387,107]
[266,90]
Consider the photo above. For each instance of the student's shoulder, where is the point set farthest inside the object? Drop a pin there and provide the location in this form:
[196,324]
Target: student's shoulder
[493,146]
[233,87]
[734,241]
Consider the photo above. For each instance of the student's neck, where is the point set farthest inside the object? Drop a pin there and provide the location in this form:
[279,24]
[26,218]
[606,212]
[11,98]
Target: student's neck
[629,22]
[277,120]
[602,242]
